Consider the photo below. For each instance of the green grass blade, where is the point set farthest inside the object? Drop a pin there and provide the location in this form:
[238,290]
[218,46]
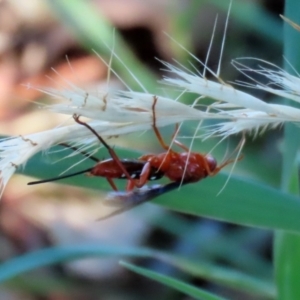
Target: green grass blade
[95,32]
[37,259]
[287,246]
[287,253]
[176,284]
[224,276]
[226,246]
[242,201]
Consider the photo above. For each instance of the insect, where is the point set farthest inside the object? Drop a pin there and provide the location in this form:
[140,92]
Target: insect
[180,167]
[184,167]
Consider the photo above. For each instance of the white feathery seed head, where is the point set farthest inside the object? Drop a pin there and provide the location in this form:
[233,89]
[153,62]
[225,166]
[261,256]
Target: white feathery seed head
[116,112]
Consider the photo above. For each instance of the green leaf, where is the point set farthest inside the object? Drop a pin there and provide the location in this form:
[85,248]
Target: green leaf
[176,284]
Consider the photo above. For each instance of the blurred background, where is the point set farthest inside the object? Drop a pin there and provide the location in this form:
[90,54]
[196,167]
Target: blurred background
[36,36]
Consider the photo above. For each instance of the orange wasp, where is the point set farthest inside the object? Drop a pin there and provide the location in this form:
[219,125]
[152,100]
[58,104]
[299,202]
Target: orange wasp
[180,167]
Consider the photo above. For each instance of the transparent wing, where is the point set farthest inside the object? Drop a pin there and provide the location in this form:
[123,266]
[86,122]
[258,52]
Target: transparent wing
[121,201]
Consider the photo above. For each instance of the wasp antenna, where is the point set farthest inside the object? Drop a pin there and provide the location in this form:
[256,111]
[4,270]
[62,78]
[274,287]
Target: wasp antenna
[59,177]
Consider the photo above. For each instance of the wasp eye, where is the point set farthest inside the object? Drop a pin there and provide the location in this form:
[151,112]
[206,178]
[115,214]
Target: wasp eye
[212,163]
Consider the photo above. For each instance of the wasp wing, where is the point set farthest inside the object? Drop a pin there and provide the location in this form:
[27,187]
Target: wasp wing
[122,201]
